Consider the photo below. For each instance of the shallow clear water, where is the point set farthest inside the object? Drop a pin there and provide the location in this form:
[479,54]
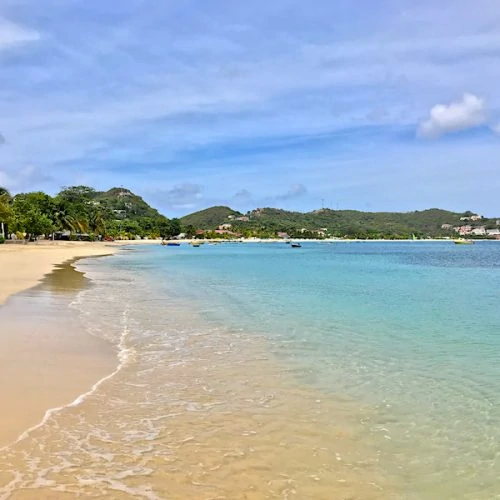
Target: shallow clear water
[346,370]
[411,329]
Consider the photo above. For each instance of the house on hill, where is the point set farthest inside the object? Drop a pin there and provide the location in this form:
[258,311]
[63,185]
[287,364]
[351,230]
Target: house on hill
[474,217]
[479,231]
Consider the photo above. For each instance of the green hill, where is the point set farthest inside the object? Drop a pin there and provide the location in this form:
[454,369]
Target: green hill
[210,218]
[81,212]
[266,222]
[124,204]
[356,223]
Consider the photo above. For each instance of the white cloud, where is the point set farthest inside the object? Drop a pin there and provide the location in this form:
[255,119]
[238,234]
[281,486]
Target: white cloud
[180,197]
[445,118]
[496,128]
[12,34]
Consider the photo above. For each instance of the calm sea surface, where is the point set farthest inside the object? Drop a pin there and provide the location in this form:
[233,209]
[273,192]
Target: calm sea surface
[344,370]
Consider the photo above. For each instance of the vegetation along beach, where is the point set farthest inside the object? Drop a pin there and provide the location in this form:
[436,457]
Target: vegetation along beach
[249,250]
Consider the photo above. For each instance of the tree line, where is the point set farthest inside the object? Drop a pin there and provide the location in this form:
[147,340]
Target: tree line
[80,212]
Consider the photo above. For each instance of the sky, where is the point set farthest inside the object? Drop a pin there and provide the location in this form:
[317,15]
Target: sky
[386,105]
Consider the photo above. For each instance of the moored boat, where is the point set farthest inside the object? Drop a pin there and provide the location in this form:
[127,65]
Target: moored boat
[463,242]
[296,245]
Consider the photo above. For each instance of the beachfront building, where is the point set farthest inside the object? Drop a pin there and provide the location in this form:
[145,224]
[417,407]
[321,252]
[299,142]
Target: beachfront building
[463,230]
[478,231]
[284,236]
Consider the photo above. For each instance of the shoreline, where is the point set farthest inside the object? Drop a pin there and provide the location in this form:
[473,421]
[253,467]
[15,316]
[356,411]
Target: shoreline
[260,400]
[313,240]
[24,266]
[43,346]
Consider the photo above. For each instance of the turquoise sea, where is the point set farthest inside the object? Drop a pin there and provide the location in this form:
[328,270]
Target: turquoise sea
[411,329]
[402,338]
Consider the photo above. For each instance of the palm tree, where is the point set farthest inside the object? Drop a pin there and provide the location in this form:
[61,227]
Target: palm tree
[97,221]
[67,222]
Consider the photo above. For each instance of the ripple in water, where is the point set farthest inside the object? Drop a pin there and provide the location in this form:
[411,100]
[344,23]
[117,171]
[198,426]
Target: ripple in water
[193,410]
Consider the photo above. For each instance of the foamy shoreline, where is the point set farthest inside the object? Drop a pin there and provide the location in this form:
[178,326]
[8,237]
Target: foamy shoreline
[49,360]
[34,460]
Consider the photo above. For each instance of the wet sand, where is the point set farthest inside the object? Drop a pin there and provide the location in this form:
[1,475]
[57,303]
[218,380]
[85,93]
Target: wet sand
[47,359]
[23,266]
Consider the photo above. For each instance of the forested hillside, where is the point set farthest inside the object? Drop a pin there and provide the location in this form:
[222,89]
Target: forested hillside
[267,222]
[80,212]
[210,218]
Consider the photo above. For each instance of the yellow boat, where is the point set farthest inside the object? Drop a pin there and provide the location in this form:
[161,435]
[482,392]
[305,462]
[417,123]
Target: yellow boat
[464,242]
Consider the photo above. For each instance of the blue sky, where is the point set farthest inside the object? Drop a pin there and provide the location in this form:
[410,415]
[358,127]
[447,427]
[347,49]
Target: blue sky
[370,105]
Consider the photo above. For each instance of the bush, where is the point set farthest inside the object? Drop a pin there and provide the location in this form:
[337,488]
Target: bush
[2,239]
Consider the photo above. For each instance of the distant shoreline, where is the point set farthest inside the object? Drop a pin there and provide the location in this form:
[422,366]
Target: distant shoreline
[311,240]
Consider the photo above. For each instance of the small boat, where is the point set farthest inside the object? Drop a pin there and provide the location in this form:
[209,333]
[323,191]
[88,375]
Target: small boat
[463,242]
[288,242]
[195,245]
[173,244]
[296,245]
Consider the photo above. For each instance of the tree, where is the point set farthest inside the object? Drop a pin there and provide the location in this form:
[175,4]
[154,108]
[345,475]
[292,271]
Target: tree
[76,206]
[6,213]
[169,228]
[190,231]
[175,227]
[97,220]
[65,217]
[26,201]
[34,223]
[77,194]
[164,227]
[131,227]
[33,213]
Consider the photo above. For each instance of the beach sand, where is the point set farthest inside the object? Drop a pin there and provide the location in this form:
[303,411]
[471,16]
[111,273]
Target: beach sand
[47,358]
[23,266]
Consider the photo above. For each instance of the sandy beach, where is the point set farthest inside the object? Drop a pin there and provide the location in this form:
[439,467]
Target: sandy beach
[23,266]
[46,357]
